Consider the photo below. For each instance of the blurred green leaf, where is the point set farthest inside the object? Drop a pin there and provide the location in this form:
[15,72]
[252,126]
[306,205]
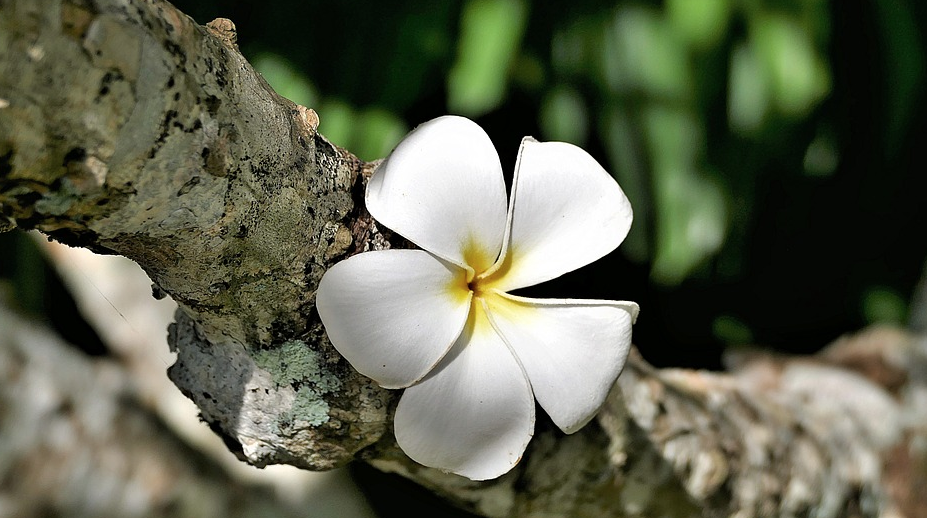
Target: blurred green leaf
[564,116]
[674,137]
[748,91]
[377,133]
[336,119]
[703,23]
[691,223]
[369,134]
[642,52]
[797,75]
[285,79]
[691,208]
[491,32]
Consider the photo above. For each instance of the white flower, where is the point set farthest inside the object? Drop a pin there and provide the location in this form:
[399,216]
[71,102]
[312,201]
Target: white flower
[441,323]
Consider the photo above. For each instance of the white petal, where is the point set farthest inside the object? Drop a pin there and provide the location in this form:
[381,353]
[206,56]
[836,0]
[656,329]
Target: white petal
[474,414]
[572,350]
[442,188]
[566,212]
[393,313]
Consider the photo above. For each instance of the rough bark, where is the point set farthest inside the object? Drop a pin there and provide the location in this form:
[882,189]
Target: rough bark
[127,128]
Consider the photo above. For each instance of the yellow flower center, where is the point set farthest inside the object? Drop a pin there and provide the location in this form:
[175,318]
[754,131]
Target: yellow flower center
[479,279]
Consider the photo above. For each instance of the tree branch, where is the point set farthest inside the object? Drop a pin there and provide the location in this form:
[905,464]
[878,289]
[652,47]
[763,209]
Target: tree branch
[127,128]
[130,129]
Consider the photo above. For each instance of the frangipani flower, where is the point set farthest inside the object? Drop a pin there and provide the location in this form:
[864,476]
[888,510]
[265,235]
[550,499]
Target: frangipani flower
[442,323]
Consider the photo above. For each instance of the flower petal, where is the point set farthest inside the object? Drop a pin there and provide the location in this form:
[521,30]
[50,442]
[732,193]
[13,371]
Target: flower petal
[566,212]
[393,314]
[572,350]
[474,414]
[442,188]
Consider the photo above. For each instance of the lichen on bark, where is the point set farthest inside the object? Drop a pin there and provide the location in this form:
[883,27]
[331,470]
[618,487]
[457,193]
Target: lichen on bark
[296,364]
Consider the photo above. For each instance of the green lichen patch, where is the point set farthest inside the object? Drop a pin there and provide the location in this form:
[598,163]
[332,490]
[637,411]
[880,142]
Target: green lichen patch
[310,407]
[295,364]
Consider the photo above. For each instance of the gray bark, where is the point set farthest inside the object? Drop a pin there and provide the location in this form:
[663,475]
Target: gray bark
[127,128]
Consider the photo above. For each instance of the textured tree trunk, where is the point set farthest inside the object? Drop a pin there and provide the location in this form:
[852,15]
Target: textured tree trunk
[128,129]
